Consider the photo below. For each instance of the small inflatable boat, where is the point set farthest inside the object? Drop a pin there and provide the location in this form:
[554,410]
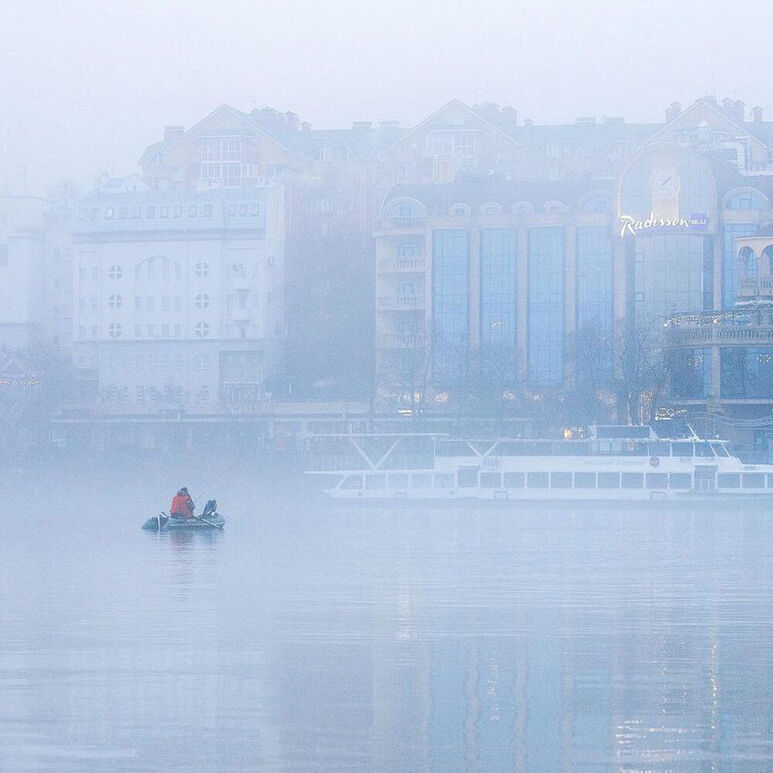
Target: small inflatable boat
[209,519]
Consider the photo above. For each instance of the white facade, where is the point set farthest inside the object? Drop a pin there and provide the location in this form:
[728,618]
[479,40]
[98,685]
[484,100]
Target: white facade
[178,297]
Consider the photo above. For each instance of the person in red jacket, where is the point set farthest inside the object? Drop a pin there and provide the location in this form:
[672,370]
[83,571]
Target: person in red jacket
[182,504]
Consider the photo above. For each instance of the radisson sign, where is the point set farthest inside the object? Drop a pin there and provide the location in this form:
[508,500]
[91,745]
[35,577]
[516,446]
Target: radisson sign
[632,226]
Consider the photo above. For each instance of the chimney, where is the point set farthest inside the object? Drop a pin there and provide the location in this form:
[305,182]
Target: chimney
[727,106]
[509,117]
[173,133]
[757,114]
[674,110]
[585,119]
[292,121]
[739,111]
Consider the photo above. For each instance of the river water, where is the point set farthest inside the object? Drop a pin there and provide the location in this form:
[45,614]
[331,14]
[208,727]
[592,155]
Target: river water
[307,637]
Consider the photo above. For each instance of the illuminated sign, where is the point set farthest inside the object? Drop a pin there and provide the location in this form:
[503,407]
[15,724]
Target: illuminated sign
[631,226]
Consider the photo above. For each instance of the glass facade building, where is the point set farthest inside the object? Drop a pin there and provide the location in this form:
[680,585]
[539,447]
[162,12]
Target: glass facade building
[450,303]
[747,373]
[545,343]
[497,303]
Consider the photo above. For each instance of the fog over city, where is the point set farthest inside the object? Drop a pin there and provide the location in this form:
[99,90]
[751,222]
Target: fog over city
[386,386]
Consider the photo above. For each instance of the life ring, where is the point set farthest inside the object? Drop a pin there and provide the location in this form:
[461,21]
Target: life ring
[654,461]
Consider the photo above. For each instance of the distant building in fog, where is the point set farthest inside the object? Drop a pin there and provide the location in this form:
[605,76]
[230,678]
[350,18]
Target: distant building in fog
[178,296]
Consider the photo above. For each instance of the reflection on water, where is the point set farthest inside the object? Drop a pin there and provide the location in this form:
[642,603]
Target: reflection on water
[300,638]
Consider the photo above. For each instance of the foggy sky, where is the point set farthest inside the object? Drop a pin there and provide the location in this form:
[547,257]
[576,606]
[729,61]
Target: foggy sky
[86,85]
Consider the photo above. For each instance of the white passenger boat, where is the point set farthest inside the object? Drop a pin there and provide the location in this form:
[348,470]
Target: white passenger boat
[612,463]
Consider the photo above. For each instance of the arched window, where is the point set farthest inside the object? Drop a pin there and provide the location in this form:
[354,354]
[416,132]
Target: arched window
[201,301]
[460,210]
[202,329]
[115,272]
[114,301]
[747,199]
[114,330]
[555,206]
[523,208]
[405,213]
[747,263]
[202,269]
[491,208]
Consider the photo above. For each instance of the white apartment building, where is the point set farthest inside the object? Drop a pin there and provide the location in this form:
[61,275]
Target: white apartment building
[178,297]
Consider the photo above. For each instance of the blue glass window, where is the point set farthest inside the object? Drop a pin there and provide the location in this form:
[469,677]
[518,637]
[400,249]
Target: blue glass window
[450,264]
[497,304]
[691,373]
[594,279]
[545,339]
[747,372]
[732,232]
[747,200]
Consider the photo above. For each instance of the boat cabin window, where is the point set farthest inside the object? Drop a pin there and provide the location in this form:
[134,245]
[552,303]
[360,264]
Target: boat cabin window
[719,449]
[633,480]
[398,480]
[585,480]
[421,480]
[656,480]
[467,477]
[516,479]
[770,481]
[660,448]
[537,480]
[490,480]
[374,482]
[729,480]
[633,448]
[753,480]
[560,480]
[572,448]
[352,482]
[681,449]
[609,480]
[444,480]
[680,480]
[703,449]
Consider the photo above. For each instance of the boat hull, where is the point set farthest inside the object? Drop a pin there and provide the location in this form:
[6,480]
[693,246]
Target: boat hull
[164,523]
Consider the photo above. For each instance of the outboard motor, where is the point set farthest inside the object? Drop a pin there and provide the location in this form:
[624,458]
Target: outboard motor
[209,509]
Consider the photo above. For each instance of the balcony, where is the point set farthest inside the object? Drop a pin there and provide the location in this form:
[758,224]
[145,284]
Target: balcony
[400,225]
[402,265]
[756,288]
[399,302]
[729,328]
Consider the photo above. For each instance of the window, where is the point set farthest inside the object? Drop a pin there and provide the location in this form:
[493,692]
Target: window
[136,213]
[201,301]
[138,331]
[585,480]
[703,449]
[165,331]
[753,480]
[221,160]
[192,210]
[560,480]
[375,482]
[149,303]
[115,272]
[656,480]
[537,480]
[150,211]
[202,270]
[490,480]
[109,212]
[633,480]
[681,449]
[165,302]
[421,480]
[444,480]
[467,477]
[609,480]
[151,331]
[680,480]
[352,482]
[114,330]
[398,480]
[200,362]
[202,329]
[514,480]
[114,301]
[164,212]
[207,210]
[137,302]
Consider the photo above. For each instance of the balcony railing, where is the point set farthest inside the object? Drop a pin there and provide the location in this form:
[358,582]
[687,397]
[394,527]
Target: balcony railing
[402,224]
[400,302]
[720,334]
[756,287]
[400,264]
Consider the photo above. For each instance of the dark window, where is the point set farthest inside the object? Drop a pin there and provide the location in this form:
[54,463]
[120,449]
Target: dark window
[585,480]
[753,480]
[657,480]
[633,480]
[660,448]
[375,481]
[681,449]
[421,480]
[719,449]
[515,480]
[680,480]
[352,482]
[729,480]
[537,480]
[490,480]
[398,480]
[467,477]
[609,480]
[560,479]
[703,449]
